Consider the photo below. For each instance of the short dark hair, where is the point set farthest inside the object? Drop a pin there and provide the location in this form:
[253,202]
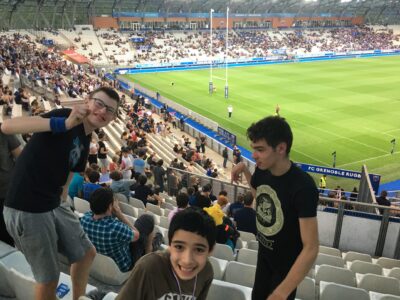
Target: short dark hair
[182,200]
[274,130]
[196,221]
[101,135]
[223,193]
[94,176]
[206,188]
[160,162]
[116,175]
[142,179]
[110,92]
[248,198]
[100,200]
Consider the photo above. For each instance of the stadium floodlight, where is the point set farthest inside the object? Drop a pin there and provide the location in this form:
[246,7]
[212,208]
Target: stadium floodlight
[210,84]
[226,54]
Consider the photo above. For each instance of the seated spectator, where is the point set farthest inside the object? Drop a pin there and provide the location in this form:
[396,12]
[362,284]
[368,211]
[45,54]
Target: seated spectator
[192,196]
[109,230]
[76,185]
[203,198]
[181,271]
[238,204]
[245,217]
[182,202]
[120,186]
[114,166]
[92,184]
[226,231]
[143,192]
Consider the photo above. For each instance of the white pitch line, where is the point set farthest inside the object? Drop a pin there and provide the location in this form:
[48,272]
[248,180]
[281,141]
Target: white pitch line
[313,158]
[392,130]
[368,159]
[341,137]
[220,78]
[380,132]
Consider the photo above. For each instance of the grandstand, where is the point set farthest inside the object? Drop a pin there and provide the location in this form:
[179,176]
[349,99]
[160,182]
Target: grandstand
[57,52]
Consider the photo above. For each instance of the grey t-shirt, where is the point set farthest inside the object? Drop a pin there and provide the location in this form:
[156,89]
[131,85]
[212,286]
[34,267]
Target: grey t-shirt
[8,143]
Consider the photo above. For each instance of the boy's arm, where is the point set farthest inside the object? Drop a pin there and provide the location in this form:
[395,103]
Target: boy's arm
[34,124]
[242,168]
[303,263]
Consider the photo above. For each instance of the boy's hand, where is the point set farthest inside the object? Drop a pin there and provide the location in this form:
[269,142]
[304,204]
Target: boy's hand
[237,170]
[78,114]
[116,209]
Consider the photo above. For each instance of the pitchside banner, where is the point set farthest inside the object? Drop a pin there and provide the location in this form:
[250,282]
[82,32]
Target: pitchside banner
[227,135]
[375,179]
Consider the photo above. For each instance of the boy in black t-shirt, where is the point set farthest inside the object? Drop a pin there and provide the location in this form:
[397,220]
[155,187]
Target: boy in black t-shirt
[59,147]
[286,204]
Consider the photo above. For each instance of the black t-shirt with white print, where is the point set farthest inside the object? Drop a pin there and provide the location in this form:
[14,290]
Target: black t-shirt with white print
[280,202]
[102,146]
[43,167]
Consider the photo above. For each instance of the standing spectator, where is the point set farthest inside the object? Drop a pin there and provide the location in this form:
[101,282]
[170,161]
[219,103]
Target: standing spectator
[245,217]
[354,194]
[93,151]
[198,144]
[10,149]
[322,184]
[225,156]
[230,110]
[126,164]
[139,164]
[102,154]
[382,200]
[114,166]
[59,147]
[286,207]
[203,144]
[159,174]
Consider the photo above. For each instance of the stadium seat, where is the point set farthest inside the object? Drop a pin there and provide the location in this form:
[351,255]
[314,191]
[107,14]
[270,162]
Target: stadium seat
[6,249]
[121,197]
[164,222]
[306,289]
[377,283]
[395,273]
[379,296]
[129,209]
[240,273]
[363,267]
[388,263]
[326,259]
[166,212]
[105,269]
[136,203]
[253,245]
[155,209]
[247,236]
[334,274]
[226,290]
[167,205]
[81,205]
[247,256]
[351,256]
[240,244]
[219,267]
[223,251]
[330,251]
[334,291]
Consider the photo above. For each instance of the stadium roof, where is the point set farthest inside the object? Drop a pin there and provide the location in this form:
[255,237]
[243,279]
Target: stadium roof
[374,11]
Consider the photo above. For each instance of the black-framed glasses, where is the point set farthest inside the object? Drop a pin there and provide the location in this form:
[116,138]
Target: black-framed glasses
[100,105]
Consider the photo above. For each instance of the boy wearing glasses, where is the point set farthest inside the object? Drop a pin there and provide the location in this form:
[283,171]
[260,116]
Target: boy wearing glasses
[36,216]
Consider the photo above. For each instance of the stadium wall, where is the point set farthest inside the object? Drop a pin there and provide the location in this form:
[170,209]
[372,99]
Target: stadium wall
[185,66]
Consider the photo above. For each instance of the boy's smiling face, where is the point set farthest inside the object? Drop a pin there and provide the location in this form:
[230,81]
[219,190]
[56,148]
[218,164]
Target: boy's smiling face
[189,253]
